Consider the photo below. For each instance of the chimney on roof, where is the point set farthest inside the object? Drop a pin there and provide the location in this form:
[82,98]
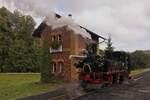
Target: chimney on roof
[70,15]
[57,16]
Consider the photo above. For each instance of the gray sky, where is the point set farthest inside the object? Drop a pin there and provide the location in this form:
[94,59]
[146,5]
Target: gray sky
[128,21]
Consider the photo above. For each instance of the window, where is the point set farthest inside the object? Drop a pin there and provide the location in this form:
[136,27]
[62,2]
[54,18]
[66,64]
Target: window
[56,37]
[56,50]
[56,44]
[53,38]
[54,67]
[61,65]
[59,37]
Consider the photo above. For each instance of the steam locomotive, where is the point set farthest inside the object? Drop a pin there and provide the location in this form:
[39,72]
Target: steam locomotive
[96,71]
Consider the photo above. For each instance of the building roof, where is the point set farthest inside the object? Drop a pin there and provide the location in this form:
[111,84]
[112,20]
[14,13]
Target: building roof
[38,31]
[92,33]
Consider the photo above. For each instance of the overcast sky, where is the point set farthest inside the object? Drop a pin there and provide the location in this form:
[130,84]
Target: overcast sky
[128,21]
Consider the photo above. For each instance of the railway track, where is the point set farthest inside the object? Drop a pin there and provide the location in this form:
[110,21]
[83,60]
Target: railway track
[116,94]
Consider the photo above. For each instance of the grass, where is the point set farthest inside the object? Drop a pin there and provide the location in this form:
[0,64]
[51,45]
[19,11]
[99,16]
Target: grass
[15,85]
[138,71]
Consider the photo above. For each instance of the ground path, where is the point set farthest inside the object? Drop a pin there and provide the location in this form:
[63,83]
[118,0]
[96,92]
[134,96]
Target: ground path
[137,89]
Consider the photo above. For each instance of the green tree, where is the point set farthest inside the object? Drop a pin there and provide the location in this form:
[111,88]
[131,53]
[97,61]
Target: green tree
[46,60]
[109,45]
[140,59]
[18,49]
[5,38]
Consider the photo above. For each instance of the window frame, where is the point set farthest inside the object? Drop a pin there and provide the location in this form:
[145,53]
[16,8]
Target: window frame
[61,66]
[54,67]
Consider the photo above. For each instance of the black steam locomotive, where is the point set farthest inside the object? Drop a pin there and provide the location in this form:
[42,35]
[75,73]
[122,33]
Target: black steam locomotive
[98,70]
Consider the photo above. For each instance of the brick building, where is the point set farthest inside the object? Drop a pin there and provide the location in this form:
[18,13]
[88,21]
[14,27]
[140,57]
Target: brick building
[68,43]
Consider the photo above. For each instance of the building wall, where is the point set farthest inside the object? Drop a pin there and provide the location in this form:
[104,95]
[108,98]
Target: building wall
[72,44]
[79,45]
[62,57]
[68,48]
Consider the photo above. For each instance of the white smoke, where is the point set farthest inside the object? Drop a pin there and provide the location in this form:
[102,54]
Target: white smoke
[55,22]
